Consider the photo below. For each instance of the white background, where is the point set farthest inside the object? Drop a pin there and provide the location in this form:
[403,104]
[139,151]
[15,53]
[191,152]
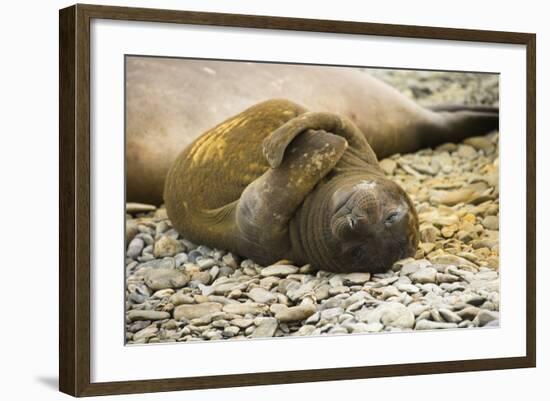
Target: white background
[111,361]
[29,197]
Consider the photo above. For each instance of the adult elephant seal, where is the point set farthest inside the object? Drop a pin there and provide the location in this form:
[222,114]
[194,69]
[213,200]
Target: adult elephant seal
[169,102]
[278,182]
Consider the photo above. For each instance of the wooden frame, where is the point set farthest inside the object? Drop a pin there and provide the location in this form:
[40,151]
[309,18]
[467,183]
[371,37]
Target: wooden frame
[74,203]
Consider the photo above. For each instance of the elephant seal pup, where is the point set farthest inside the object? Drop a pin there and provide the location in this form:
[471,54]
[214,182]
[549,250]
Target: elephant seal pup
[169,102]
[277,182]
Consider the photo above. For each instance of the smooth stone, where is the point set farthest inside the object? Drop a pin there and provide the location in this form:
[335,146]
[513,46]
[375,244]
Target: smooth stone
[466,151]
[435,218]
[230,331]
[451,198]
[356,278]
[354,298]
[428,233]
[146,333]
[136,314]
[138,325]
[446,278]
[245,308]
[295,313]
[167,246]
[306,330]
[135,247]
[134,208]
[261,295]
[242,323]
[230,260]
[279,270]
[485,316]
[448,259]
[266,328]
[201,277]
[408,288]
[450,316]
[475,300]
[332,313]
[313,319]
[491,222]
[164,293]
[341,289]
[161,278]
[392,314]
[480,142]
[429,325]
[388,166]
[131,231]
[468,313]
[194,311]
[205,263]
[424,275]
[180,259]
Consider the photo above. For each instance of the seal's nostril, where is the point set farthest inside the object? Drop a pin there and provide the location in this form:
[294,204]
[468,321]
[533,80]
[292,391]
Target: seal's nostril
[352,221]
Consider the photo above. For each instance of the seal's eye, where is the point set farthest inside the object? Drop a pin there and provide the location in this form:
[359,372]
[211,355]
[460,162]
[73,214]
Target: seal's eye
[391,218]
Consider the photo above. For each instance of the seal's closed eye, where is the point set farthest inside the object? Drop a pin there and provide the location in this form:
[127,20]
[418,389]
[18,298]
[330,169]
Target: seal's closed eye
[392,217]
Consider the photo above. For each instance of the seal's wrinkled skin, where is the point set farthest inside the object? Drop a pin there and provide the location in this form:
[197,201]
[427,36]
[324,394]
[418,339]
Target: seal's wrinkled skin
[278,182]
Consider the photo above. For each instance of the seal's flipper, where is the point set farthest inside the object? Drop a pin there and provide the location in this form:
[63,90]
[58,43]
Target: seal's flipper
[274,146]
[272,199]
[461,107]
[457,123]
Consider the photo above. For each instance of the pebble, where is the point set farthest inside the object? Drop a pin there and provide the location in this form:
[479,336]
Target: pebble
[136,314]
[484,317]
[135,208]
[278,270]
[429,325]
[295,313]
[161,278]
[194,311]
[245,308]
[450,316]
[490,222]
[388,166]
[266,328]
[262,296]
[424,275]
[135,247]
[167,246]
[392,314]
[146,333]
[355,278]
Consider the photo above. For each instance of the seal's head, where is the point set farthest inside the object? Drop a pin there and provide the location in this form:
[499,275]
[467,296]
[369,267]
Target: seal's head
[372,223]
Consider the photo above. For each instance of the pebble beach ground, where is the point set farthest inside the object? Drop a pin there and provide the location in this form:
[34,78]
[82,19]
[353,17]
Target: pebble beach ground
[180,291]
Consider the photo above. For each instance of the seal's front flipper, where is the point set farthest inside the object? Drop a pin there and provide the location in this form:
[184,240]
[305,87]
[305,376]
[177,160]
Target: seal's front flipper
[274,146]
[268,203]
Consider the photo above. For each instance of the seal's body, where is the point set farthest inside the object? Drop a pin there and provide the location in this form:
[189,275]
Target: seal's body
[278,182]
[170,102]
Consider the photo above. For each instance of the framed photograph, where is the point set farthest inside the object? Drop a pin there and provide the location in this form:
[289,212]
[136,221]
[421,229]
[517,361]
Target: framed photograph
[250,200]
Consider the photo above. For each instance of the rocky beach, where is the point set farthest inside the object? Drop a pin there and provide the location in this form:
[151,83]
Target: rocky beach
[178,291]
